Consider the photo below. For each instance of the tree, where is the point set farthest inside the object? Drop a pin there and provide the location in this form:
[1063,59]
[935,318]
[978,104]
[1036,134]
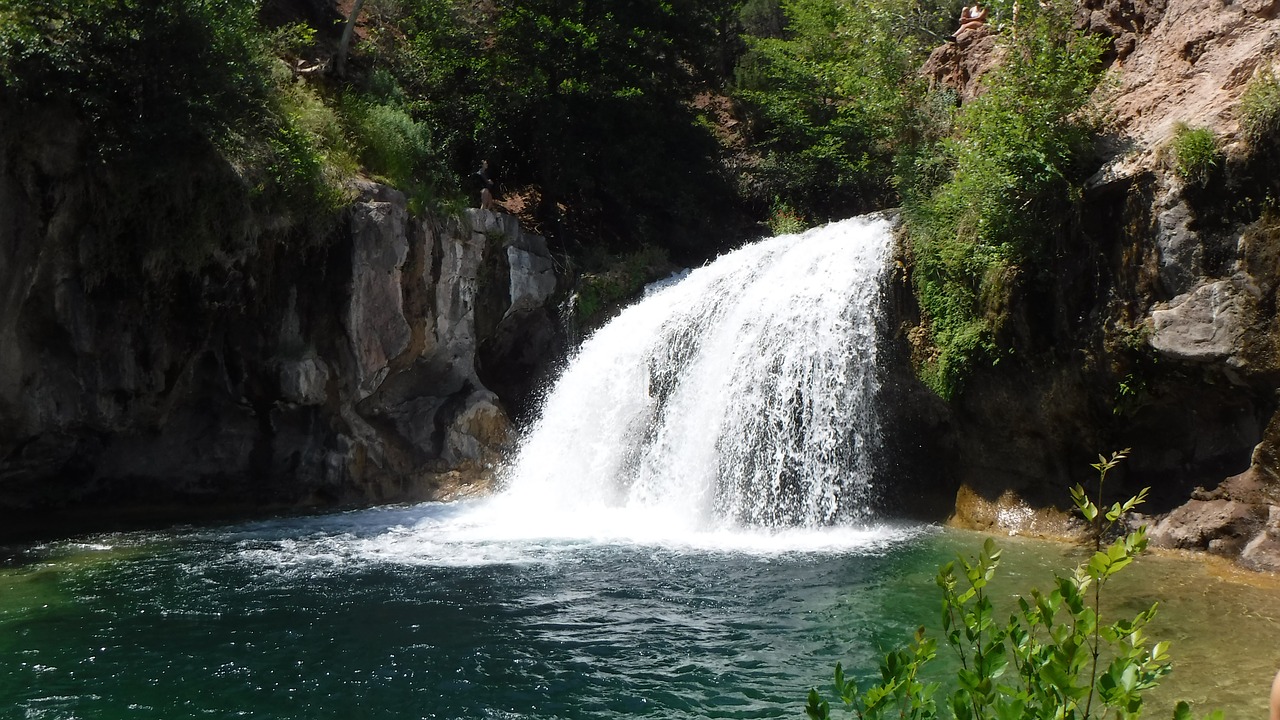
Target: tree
[589,102]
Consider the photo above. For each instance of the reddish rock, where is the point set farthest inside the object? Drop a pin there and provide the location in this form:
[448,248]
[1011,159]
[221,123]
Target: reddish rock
[960,65]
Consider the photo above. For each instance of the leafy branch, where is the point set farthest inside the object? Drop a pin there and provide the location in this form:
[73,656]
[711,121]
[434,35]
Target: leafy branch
[1046,661]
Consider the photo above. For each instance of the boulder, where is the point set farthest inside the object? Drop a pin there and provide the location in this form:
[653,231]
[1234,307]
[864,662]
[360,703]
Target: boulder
[1219,526]
[533,276]
[1204,325]
[1263,551]
[961,65]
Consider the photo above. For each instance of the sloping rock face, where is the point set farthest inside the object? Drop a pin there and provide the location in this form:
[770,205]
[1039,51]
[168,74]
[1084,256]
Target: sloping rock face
[280,377]
[962,64]
[1180,61]
[1154,326]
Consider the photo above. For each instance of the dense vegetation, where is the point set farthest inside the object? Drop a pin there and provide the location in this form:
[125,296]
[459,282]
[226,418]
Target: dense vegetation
[624,130]
[1013,168]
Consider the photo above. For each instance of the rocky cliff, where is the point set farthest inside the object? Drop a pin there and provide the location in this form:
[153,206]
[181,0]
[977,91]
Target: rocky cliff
[378,365]
[1157,329]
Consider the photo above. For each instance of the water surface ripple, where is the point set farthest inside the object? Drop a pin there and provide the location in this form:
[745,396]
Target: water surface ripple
[410,613]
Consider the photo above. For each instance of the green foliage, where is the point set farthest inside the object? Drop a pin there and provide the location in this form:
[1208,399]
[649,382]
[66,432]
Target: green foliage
[154,75]
[163,89]
[1015,160]
[590,103]
[618,280]
[292,38]
[829,98]
[395,147]
[784,220]
[1260,108]
[1056,656]
[1195,154]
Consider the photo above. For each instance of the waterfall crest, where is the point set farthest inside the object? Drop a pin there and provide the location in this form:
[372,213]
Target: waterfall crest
[742,395]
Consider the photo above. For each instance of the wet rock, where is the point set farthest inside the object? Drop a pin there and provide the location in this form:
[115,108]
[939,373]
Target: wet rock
[1263,551]
[479,428]
[1009,513]
[304,382]
[1219,526]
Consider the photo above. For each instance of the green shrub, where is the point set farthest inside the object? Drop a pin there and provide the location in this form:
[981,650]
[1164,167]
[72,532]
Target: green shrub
[1195,154]
[191,124]
[1015,160]
[829,95]
[784,220]
[617,280]
[146,76]
[1056,657]
[1260,108]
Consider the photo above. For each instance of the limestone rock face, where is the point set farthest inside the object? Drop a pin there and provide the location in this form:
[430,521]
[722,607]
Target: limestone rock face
[1154,325]
[1204,325]
[1181,252]
[1180,61]
[375,322]
[1213,525]
[347,373]
[533,276]
[1263,551]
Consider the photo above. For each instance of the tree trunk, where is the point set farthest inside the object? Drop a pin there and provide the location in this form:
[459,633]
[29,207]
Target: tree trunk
[340,62]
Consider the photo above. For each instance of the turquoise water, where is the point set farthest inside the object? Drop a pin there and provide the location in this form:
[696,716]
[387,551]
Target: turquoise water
[416,613]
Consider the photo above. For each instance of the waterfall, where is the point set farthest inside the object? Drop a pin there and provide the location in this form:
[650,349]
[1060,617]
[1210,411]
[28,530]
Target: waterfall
[742,395]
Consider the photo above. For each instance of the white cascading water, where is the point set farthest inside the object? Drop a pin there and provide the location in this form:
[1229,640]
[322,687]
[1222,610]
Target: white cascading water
[732,410]
[741,396]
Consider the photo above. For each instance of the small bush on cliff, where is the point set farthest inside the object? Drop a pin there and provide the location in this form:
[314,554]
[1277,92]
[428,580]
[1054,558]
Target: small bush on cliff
[615,281]
[394,146]
[1054,658]
[1017,156]
[784,220]
[1195,154]
[1260,108]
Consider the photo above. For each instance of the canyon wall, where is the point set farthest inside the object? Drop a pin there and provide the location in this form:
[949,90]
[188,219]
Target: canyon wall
[1154,325]
[282,374]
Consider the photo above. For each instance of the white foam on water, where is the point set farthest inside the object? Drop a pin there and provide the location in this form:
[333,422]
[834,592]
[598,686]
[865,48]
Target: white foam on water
[471,534]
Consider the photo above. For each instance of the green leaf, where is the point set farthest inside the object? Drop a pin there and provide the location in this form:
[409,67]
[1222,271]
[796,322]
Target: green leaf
[817,708]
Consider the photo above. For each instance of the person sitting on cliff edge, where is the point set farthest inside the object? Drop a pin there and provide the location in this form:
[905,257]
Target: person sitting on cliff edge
[971,18]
